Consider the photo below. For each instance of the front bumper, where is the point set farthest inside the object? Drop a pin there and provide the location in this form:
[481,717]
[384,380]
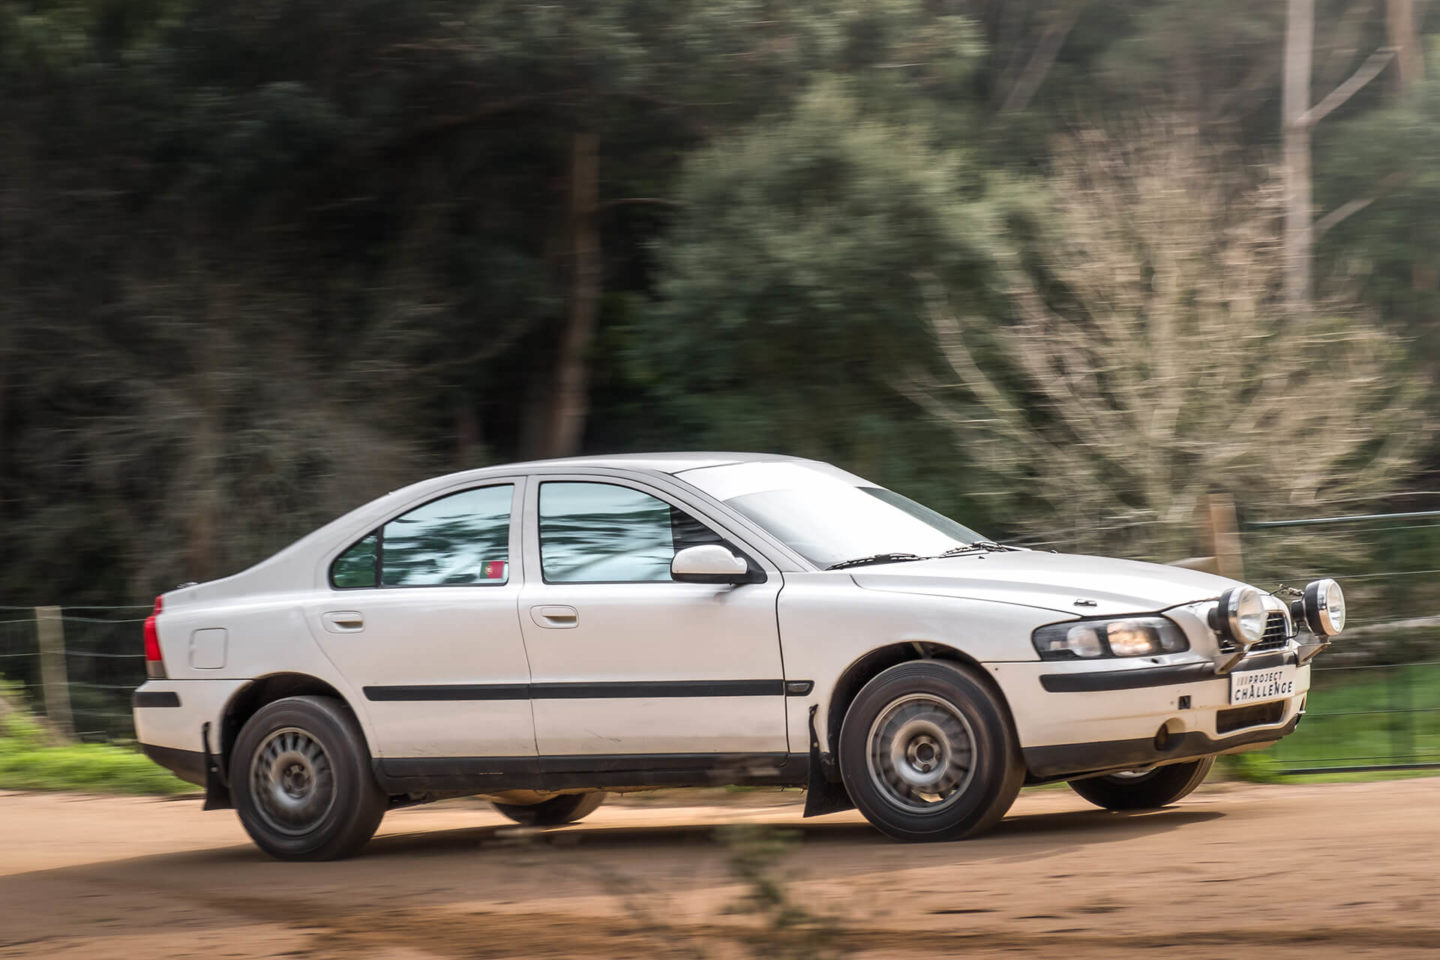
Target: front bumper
[1077,718]
[1065,761]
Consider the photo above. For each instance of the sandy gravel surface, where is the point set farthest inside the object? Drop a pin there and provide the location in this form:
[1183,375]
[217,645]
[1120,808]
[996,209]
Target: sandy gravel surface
[1277,872]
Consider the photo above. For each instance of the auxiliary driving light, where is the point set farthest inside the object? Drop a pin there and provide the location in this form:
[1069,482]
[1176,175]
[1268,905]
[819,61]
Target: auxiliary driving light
[1240,616]
[1324,607]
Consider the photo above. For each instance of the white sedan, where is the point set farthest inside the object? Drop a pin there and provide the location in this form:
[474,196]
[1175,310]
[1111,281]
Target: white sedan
[542,633]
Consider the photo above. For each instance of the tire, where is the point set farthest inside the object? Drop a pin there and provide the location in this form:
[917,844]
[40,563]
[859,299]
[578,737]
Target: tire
[566,808]
[927,752]
[301,780]
[1156,788]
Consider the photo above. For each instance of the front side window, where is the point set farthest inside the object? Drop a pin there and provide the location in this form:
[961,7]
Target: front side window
[606,533]
[459,540]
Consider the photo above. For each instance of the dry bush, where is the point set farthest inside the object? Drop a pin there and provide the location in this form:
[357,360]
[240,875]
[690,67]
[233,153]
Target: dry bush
[1149,360]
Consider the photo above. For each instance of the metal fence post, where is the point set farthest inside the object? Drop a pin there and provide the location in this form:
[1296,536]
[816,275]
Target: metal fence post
[1407,685]
[54,678]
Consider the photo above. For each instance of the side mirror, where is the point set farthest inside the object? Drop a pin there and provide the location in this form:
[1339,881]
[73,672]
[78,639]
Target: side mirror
[709,563]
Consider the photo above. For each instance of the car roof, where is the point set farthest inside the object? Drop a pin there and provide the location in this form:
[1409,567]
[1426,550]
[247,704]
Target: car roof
[674,462]
[669,463]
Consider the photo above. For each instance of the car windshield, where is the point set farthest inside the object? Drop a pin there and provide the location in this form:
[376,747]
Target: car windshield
[828,516]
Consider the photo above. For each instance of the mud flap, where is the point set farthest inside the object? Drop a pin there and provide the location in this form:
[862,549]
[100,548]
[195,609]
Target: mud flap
[217,791]
[824,793]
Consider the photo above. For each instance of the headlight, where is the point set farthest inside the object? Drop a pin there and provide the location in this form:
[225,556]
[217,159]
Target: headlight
[1123,637]
[1324,608]
[1240,616]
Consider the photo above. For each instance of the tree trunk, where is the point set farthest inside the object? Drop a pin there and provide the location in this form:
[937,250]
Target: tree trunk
[1042,58]
[202,520]
[1409,70]
[204,506]
[569,400]
[5,456]
[1409,60]
[1295,135]
[467,434]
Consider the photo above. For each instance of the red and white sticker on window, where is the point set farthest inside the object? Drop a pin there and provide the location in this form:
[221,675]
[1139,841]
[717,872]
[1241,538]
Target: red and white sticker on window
[493,570]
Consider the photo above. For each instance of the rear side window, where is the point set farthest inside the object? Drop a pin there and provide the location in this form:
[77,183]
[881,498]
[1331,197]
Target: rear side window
[356,566]
[459,540]
[606,533]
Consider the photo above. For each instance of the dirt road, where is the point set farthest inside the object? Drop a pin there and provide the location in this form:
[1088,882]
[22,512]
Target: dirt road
[1291,871]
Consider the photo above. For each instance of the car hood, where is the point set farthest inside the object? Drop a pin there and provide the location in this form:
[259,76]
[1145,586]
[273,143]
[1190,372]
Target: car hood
[1054,581]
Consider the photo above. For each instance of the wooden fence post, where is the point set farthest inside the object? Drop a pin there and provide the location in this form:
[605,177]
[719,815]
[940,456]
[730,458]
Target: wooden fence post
[1217,535]
[54,678]
[1221,534]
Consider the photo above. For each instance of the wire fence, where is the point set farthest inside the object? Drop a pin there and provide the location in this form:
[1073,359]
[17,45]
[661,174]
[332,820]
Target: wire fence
[1367,717]
[1375,695]
[1374,701]
[99,662]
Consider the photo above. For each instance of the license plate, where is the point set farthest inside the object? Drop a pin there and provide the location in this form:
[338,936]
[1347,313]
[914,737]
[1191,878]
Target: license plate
[1253,686]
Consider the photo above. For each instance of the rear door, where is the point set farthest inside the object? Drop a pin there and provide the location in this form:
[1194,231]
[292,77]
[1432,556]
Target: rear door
[421,617]
[625,661]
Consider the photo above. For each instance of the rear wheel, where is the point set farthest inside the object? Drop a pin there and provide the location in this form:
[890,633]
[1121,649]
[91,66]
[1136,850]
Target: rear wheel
[301,780]
[566,808]
[927,752]
[1141,791]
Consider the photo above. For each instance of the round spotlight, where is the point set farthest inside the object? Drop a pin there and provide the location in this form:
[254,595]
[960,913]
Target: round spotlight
[1241,615]
[1324,606]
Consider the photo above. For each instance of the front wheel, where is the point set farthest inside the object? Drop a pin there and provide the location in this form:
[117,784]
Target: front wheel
[566,808]
[301,780]
[1143,791]
[927,752]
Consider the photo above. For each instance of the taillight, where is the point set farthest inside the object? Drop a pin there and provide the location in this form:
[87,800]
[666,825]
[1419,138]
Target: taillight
[154,662]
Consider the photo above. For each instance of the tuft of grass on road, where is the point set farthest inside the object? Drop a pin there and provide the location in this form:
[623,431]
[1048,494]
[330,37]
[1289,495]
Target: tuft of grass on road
[30,759]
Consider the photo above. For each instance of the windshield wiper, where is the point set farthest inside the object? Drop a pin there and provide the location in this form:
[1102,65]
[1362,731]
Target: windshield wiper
[989,546]
[874,558]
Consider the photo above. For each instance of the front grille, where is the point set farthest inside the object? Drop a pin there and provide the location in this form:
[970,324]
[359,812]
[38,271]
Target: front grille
[1275,637]
[1255,715]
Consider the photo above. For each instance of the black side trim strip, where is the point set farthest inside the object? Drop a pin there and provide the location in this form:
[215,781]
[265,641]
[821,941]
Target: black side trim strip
[603,690]
[657,688]
[1127,679]
[451,691]
[155,698]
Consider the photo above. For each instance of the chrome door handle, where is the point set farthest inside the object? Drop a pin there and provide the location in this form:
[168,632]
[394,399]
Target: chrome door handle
[556,616]
[343,621]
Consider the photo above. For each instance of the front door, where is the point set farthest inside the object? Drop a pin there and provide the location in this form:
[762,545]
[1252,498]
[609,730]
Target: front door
[625,661]
[420,618]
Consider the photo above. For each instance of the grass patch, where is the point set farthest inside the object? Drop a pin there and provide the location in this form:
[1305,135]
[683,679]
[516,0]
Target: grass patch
[31,759]
[91,767]
[1367,776]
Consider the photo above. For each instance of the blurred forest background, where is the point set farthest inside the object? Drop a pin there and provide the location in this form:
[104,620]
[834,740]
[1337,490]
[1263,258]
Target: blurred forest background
[1054,267]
